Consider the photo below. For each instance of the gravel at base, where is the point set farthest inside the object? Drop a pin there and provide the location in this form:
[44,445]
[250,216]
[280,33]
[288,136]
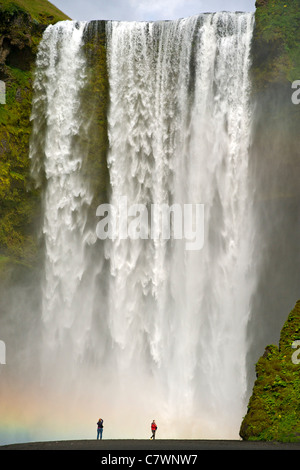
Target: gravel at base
[141,445]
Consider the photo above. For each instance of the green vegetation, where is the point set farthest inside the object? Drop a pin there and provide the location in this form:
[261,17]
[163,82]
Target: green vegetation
[95,106]
[39,10]
[274,407]
[277,41]
[276,64]
[22,23]
[18,206]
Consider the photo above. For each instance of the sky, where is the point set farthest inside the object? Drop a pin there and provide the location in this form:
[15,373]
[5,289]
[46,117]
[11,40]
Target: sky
[146,10]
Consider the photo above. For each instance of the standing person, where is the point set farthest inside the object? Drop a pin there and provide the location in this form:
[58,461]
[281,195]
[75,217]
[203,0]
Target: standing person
[153,429]
[100,428]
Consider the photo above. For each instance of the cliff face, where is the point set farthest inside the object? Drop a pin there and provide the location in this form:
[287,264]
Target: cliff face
[274,407]
[275,168]
[276,42]
[273,410]
[20,33]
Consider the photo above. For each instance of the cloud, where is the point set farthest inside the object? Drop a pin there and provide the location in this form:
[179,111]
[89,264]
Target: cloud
[146,10]
[168,9]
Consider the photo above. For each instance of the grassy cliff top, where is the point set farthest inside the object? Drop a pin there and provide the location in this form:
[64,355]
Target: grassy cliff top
[40,10]
[277,39]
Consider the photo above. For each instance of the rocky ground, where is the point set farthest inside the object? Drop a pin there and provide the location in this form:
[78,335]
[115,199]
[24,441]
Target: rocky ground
[157,445]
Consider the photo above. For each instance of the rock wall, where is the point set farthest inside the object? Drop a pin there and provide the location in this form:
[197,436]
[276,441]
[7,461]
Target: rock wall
[274,407]
[273,411]
[275,167]
[20,34]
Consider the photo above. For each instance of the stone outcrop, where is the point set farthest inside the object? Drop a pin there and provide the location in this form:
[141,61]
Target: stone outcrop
[274,407]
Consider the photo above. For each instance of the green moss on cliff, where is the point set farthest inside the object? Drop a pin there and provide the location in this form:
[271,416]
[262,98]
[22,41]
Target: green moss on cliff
[22,23]
[95,107]
[276,41]
[274,407]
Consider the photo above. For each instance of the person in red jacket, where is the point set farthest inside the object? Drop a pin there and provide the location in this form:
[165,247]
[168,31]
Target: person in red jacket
[153,429]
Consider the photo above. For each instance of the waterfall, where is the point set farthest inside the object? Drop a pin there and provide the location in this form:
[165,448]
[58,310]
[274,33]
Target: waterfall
[142,328]
[56,114]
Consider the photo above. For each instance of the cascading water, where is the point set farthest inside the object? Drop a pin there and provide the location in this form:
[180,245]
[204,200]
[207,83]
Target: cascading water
[144,327]
[57,117]
[179,128]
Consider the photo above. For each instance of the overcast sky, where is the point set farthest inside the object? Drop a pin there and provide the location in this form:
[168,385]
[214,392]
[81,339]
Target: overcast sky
[146,10]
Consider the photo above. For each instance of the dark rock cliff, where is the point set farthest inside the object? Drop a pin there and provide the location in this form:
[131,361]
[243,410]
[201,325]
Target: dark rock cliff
[273,411]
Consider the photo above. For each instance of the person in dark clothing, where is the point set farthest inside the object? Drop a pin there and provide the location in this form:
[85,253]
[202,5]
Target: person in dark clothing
[100,428]
[153,429]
